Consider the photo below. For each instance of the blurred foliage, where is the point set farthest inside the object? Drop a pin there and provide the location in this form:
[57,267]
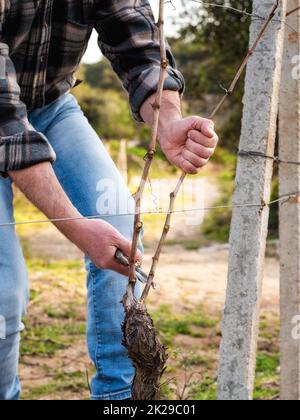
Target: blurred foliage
[215,40]
[107,111]
[101,76]
[209,51]
[105,104]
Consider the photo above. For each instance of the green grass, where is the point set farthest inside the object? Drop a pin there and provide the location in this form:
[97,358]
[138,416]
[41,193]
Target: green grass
[62,313]
[74,382]
[202,358]
[267,364]
[34,294]
[205,390]
[40,339]
[196,360]
[266,383]
[170,325]
[199,318]
[267,376]
[55,267]
[58,273]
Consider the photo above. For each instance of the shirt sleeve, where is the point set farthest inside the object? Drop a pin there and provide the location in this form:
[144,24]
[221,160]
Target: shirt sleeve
[20,145]
[128,37]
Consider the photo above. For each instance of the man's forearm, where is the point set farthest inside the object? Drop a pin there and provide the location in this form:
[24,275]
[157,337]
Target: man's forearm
[96,238]
[170,109]
[41,187]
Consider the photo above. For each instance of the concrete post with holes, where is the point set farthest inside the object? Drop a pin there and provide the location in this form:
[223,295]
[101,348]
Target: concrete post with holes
[289,180]
[249,225]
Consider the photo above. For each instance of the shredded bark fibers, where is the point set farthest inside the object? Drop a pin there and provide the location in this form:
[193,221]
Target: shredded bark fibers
[148,355]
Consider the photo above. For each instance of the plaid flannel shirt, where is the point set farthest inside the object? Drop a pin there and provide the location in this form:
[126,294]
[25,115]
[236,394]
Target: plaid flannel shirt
[41,45]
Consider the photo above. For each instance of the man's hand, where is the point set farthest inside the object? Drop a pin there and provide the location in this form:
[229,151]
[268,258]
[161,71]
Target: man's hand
[96,238]
[188,143]
[99,241]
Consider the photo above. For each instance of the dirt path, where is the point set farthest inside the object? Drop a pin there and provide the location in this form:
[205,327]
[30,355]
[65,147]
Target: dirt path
[188,277]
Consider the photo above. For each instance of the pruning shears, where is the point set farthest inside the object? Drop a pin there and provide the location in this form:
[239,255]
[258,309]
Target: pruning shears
[123,260]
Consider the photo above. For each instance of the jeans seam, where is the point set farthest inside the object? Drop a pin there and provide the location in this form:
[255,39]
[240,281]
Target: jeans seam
[98,365]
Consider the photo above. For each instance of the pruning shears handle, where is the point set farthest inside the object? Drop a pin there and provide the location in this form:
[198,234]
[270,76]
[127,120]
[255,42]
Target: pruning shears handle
[122,259]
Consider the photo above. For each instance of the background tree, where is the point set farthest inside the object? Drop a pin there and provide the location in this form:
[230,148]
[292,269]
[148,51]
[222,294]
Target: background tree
[209,50]
[108,112]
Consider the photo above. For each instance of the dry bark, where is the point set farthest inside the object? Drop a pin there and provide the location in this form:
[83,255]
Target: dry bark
[148,355]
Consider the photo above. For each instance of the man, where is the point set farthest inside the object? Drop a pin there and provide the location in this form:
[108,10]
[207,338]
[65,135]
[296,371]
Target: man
[41,45]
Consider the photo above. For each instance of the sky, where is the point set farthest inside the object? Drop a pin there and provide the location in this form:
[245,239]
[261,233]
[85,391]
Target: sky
[93,53]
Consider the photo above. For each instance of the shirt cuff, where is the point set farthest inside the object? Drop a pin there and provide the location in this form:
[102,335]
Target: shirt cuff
[146,84]
[23,150]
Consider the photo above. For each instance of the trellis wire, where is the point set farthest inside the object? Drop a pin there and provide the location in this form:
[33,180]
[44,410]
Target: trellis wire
[281,199]
[252,154]
[240,11]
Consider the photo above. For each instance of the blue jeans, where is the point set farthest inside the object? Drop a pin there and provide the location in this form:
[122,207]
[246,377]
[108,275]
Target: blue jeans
[95,187]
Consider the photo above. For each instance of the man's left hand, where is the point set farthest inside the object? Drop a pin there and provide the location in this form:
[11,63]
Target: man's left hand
[189,143]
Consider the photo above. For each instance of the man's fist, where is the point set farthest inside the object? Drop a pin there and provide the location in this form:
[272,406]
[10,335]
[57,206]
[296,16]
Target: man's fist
[189,143]
[100,241]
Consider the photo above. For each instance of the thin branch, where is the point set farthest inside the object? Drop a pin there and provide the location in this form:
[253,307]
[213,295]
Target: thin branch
[246,13]
[240,11]
[230,8]
[174,194]
[138,225]
[292,11]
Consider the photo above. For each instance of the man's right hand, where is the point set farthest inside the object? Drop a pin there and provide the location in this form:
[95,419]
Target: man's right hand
[100,241]
[95,238]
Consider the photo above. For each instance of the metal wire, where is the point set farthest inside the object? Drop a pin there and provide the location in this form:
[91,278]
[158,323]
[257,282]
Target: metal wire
[253,155]
[261,205]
